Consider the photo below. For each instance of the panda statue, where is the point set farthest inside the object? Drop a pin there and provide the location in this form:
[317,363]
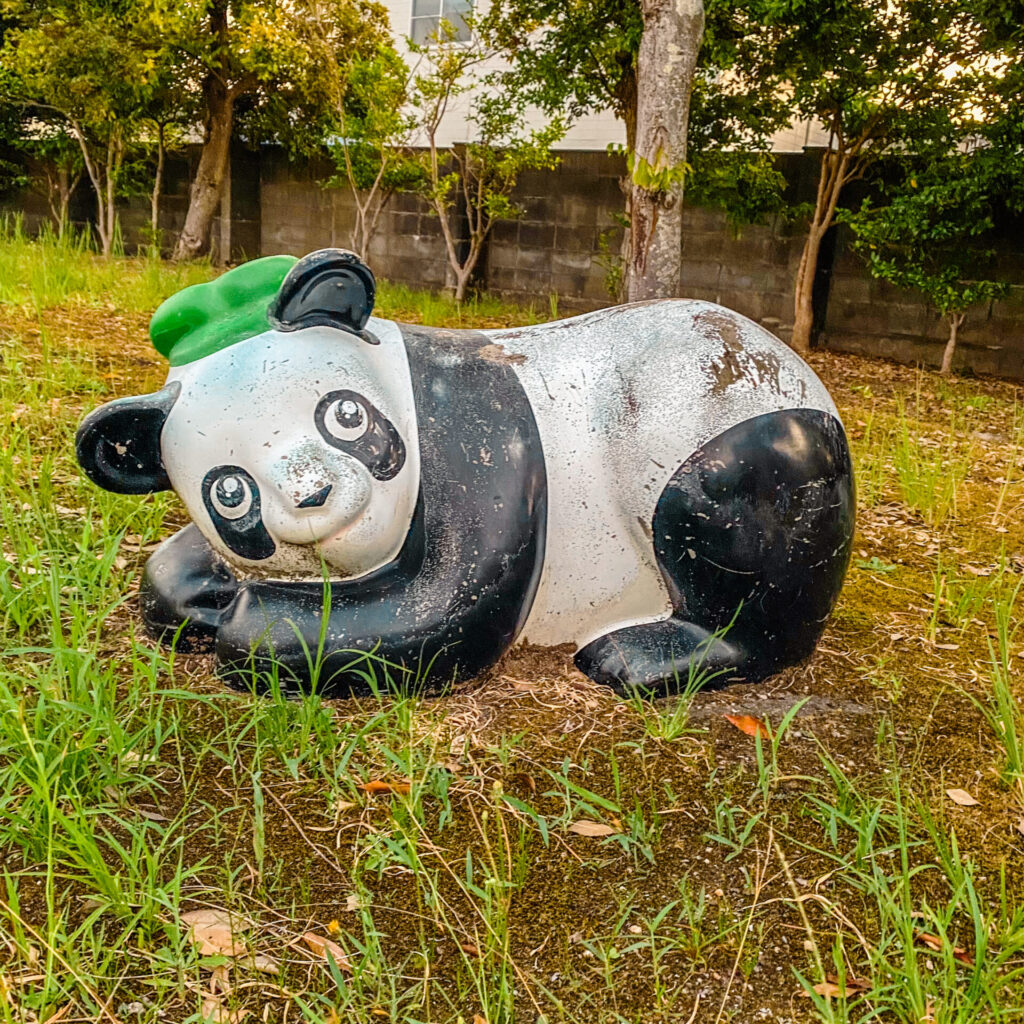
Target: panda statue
[664,485]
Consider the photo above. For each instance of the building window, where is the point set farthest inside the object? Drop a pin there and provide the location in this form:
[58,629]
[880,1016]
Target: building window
[427,16]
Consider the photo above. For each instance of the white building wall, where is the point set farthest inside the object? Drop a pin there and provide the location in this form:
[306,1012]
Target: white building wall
[594,131]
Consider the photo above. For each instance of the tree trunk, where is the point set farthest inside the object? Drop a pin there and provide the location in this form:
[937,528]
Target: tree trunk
[803,312]
[103,178]
[955,320]
[115,155]
[833,175]
[462,283]
[666,63]
[158,184]
[205,194]
[60,185]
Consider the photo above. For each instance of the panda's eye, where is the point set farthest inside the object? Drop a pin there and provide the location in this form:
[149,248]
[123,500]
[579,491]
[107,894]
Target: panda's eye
[346,419]
[232,496]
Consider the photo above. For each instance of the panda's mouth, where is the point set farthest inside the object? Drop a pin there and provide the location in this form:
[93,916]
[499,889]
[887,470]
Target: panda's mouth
[316,499]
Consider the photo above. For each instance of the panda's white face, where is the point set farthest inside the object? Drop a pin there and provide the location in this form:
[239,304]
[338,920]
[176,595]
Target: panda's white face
[294,449]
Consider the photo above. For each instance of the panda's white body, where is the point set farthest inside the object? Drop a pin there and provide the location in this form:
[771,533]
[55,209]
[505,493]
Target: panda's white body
[623,397]
[612,428]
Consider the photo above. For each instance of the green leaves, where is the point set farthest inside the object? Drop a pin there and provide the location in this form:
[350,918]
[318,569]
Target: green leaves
[930,232]
[658,177]
[480,174]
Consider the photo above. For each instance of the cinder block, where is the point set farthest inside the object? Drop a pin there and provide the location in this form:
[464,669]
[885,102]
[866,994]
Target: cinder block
[534,259]
[575,238]
[502,255]
[536,235]
[702,274]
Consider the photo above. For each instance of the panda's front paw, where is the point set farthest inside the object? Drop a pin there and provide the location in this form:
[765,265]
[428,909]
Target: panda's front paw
[186,587]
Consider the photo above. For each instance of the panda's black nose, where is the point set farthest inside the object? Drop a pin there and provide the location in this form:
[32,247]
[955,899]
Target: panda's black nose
[316,499]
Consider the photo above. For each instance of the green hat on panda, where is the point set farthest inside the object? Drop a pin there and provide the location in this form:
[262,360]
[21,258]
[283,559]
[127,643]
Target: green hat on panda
[205,318]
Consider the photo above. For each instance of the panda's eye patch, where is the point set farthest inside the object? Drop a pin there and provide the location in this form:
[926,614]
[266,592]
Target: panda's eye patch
[232,496]
[350,423]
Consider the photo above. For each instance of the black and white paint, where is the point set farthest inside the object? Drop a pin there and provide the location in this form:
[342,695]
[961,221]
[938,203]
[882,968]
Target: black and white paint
[663,485]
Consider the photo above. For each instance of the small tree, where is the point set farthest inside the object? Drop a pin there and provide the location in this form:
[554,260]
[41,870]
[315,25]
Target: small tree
[78,64]
[261,61]
[370,145]
[61,159]
[930,236]
[882,76]
[170,112]
[480,175]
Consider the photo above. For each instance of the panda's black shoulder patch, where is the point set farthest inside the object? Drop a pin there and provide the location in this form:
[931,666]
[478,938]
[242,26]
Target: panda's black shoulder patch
[327,288]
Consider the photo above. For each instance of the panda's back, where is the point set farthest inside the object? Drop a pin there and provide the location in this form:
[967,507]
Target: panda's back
[622,397]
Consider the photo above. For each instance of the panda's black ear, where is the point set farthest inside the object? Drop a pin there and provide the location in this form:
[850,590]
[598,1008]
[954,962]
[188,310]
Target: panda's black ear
[327,288]
[118,444]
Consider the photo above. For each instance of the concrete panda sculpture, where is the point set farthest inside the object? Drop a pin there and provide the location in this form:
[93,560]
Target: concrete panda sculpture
[662,484]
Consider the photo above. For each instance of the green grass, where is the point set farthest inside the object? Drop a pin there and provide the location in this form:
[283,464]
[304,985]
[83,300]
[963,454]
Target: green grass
[53,271]
[733,873]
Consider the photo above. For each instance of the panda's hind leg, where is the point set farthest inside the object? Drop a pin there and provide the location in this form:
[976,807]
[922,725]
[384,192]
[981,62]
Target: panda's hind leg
[671,656]
[752,535]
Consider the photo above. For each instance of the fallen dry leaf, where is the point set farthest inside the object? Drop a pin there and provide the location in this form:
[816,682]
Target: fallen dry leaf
[933,942]
[583,827]
[215,1012]
[826,989]
[750,725]
[215,931]
[321,946]
[470,950]
[375,786]
[831,987]
[220,980]
[961,797]
[260,962]
[151,815]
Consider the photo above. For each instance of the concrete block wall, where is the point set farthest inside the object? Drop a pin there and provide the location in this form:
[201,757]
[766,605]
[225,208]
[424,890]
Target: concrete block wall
[555,247]
[871,317]
[750,269]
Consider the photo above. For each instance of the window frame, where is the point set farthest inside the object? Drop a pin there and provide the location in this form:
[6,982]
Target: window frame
[437,19]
